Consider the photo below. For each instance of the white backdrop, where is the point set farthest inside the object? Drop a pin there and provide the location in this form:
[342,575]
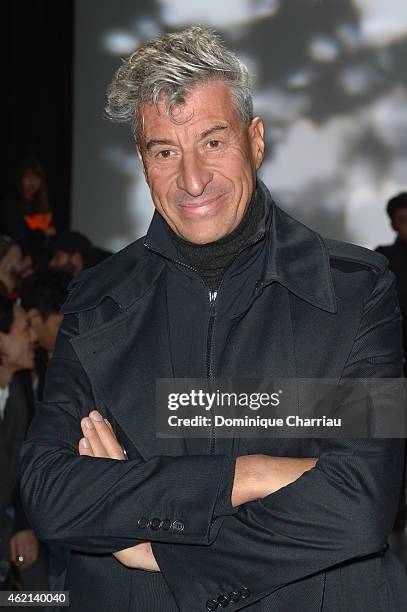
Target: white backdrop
[330,83]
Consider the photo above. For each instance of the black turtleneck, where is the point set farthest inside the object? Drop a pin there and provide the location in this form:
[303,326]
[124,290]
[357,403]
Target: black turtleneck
[212,259]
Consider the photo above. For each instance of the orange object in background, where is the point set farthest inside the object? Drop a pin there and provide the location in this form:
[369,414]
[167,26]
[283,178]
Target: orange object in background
[38,221]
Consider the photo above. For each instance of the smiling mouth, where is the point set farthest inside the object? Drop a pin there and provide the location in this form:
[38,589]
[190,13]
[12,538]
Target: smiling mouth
[201,204]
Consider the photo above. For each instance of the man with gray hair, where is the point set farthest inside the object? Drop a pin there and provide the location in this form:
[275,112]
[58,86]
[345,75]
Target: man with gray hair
[224,284]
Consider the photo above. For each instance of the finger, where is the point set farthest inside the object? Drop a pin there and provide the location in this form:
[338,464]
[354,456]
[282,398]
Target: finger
[113,432]
[106,436]
[85,448]
[29,558]
[102,439]
[92,436]
[110,427]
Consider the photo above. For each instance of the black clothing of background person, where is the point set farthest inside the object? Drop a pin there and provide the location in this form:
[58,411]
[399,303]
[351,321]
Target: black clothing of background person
[18,413]
[396,253]
[13,428]
[291,304]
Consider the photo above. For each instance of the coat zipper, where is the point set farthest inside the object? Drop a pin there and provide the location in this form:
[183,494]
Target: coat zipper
[210,333]
[209,372]
[211,323]
[181,263]
[209,344]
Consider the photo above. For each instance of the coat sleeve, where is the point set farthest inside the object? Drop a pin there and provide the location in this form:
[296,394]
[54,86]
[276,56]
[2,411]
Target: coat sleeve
[95,505]
[342,509]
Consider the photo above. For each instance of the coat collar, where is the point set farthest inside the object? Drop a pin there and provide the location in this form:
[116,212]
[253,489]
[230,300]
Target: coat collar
[296,257]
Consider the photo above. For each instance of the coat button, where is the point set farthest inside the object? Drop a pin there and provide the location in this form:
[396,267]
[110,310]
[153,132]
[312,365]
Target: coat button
[143,522]
[155,524]
[178,525]
[244,592]
[233,597]
[223,601]
[212,604]
[166,524]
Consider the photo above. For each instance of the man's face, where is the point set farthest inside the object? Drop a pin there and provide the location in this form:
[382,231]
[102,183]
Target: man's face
[11,266]
[72,263]
[399,223]
[46,329]
[17,347]
[201,169]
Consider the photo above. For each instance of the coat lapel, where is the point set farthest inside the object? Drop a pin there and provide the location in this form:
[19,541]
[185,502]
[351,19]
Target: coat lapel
[123,358]
[260,344]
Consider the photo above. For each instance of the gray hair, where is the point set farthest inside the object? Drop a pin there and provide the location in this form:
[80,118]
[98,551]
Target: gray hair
[168,67]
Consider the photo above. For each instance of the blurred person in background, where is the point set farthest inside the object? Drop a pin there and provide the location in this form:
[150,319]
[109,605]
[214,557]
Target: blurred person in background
[34,249]
[42,296]
[396,253]
[11,265]
[27,208]
[18,543]
[73,252]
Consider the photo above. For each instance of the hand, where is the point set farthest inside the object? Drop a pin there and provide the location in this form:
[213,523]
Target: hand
[257,476]
[140,556]
[100,441]
[25,544]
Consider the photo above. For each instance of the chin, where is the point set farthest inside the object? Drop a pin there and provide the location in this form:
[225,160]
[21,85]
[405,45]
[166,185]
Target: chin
[205,235]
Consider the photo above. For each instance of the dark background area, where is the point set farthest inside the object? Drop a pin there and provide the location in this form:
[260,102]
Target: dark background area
[37,91]
[337,122]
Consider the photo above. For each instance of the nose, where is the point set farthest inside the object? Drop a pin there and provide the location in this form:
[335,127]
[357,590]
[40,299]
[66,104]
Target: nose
[193,177]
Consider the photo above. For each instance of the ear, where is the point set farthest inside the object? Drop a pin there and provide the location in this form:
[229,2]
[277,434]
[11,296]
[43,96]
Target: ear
[256,135]
[394,226]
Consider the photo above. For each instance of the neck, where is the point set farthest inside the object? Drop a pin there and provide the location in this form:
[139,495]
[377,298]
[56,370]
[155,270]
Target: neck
[212,260]
[6,374]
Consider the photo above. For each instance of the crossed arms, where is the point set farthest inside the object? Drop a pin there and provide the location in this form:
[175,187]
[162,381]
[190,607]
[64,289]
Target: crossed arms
[341,509]
[255,477]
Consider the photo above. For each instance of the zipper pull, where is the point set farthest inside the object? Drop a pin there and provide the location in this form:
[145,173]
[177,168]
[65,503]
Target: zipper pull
[212,296]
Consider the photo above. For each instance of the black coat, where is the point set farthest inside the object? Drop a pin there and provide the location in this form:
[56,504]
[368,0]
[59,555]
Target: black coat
[291,304]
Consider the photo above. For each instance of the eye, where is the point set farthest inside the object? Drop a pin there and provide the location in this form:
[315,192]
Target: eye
[213,144]
[165,154]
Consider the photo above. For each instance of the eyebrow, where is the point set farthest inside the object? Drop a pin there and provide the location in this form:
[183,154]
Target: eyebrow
[159,142]
[212,130]
[154,142]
